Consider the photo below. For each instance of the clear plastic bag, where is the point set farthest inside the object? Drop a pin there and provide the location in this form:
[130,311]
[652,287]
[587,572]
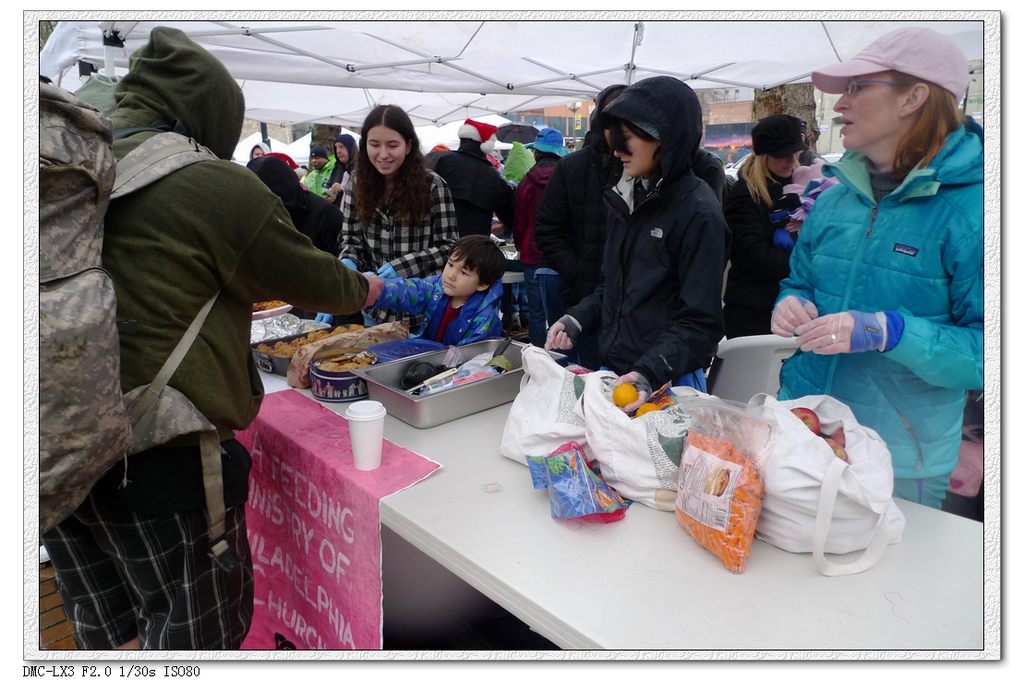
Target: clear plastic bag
[720,489]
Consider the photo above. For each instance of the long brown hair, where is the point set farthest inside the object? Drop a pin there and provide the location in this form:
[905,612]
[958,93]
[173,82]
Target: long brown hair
[937,117]
[408,195]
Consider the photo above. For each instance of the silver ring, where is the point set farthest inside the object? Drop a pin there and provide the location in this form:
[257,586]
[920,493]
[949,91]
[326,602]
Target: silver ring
[833,338]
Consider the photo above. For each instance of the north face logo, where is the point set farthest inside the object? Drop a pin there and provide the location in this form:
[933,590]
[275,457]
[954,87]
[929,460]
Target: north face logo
[657,233]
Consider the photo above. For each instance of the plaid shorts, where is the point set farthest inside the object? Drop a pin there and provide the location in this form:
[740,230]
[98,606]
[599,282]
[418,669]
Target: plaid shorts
[124,574]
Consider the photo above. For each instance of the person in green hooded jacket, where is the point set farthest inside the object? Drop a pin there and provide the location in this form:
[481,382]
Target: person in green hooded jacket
[318,179]
[133,560]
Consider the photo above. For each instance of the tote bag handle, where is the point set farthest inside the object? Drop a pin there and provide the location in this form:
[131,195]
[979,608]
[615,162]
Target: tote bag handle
[823,523]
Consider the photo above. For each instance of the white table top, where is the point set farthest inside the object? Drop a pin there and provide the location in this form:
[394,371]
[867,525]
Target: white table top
[643,583]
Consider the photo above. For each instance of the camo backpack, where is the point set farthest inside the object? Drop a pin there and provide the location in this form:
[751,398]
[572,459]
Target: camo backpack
[85,423]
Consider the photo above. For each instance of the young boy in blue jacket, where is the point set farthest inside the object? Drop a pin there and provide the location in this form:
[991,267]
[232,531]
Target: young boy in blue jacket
[461,304]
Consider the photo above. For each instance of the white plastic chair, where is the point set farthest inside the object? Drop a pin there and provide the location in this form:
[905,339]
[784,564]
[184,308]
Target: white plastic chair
[750,365]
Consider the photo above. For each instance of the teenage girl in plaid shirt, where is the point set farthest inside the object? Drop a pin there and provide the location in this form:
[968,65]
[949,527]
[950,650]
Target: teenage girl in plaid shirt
[398,217]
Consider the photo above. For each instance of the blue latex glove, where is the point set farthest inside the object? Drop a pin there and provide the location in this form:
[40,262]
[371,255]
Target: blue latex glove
[782,239]
[324,317]
[387,271]
[349,263]
[852,331]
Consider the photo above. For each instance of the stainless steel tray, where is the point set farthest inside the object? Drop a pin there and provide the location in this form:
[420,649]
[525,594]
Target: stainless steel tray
[384,383]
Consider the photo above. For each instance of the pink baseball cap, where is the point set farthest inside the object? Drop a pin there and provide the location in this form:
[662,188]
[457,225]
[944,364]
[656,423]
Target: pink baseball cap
[918,52]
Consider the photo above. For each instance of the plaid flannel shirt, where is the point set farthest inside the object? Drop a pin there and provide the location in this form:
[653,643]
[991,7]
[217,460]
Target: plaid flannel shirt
[415,249]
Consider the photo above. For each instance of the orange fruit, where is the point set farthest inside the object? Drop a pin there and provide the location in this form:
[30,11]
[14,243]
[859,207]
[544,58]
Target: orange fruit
[624,394]
[647,408]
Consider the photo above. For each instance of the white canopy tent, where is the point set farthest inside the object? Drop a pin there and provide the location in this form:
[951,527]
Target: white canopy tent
[246,144]
[333,72]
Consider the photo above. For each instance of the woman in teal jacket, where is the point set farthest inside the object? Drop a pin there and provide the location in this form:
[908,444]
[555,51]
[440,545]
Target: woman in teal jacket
[885,287]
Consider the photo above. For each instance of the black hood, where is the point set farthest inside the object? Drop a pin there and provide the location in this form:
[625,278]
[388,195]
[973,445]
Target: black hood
[595,136]
[350,144]
[283,181]
[172,79]
[669,109]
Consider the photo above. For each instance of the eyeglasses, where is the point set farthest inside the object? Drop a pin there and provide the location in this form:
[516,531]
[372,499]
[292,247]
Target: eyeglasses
[855,86]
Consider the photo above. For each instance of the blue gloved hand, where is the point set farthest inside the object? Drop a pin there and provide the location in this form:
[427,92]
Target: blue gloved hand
[783,239]
[324,317]
[387,271]
[349,263]
[852,331]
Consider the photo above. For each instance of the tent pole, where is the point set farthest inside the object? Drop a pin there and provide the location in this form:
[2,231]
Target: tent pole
[638,37]
[112,40]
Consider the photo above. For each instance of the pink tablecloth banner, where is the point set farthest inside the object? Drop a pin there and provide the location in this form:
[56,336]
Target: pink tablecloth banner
[314,527]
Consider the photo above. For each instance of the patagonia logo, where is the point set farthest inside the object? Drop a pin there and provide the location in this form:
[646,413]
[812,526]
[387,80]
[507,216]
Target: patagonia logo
[905,250]
[657,233]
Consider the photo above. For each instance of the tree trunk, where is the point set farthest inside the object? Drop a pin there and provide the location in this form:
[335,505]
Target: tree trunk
[45,29]
[796,99]
[325,134]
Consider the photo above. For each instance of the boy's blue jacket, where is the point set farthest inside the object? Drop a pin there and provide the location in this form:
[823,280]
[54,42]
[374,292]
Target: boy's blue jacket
[478,319]
[920,252]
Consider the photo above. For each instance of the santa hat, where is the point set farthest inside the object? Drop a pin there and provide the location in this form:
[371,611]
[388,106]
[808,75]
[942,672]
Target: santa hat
[484,133]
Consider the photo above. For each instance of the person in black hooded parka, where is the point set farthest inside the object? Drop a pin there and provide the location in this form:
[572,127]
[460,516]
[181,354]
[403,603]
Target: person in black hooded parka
[311,215]
[659,307]
[570,225]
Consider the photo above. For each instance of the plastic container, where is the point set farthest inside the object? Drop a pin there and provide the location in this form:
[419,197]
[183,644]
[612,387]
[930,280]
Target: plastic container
[405,347]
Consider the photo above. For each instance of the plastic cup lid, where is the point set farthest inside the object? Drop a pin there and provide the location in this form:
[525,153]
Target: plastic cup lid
[365,410]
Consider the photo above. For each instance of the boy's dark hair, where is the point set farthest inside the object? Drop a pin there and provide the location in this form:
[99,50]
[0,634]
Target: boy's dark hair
[480,254]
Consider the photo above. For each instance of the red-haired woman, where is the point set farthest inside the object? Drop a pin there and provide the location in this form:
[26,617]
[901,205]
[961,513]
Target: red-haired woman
[885,286]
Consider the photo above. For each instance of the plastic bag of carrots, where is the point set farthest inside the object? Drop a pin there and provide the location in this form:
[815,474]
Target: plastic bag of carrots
[719,498]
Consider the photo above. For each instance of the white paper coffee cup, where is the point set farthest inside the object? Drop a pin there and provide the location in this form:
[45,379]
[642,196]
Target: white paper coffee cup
[366,430]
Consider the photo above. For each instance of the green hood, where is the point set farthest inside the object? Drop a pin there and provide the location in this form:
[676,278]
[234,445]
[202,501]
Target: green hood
[518,163]
[174,79]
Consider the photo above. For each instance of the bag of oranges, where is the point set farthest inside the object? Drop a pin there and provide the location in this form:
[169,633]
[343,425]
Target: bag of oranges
[638,454]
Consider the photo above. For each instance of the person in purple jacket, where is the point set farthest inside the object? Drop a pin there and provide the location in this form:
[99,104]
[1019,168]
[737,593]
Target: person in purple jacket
[460,305]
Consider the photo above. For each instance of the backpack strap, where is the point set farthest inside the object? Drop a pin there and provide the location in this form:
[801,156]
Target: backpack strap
[156,158]
[171,363]
[213,487]
[209,442]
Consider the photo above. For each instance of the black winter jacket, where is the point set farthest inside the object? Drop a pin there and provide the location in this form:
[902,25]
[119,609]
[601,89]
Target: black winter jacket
[659,308]
[478,190]
[572,219]
[709,168]
[757,265]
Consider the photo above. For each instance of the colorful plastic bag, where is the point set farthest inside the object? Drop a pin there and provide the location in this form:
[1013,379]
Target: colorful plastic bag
[575,487]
